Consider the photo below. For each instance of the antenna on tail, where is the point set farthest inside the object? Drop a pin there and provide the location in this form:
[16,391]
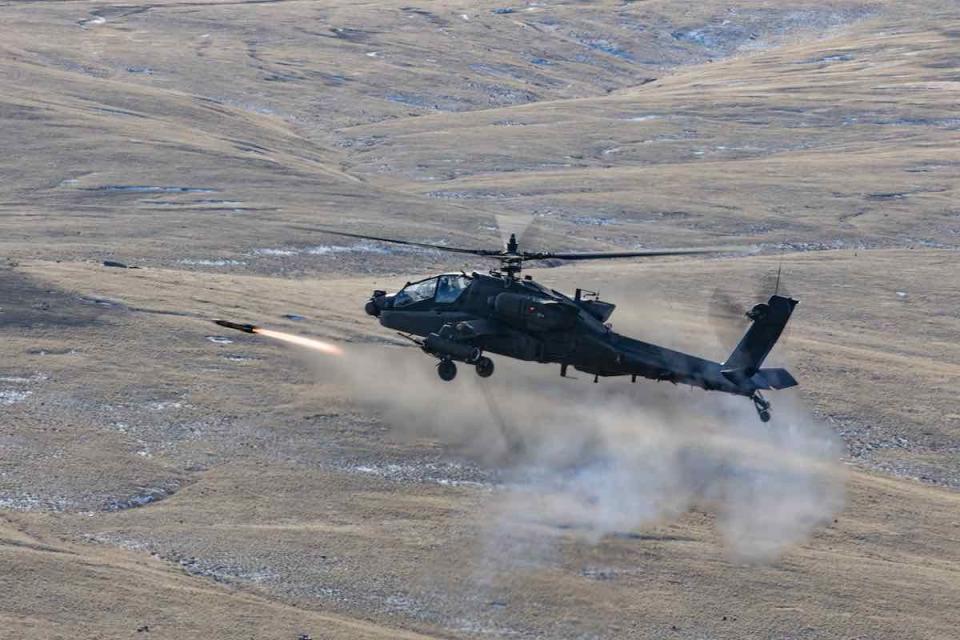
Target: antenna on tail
[783,247]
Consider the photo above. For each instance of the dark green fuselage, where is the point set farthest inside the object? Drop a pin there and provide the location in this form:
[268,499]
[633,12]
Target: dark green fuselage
[522,319]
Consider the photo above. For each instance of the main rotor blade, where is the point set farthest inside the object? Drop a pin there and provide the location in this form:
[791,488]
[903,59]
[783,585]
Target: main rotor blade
[648,253]
[439,247]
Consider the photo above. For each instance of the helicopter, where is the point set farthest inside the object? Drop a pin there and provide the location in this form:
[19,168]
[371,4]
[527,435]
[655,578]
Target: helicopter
[460,317]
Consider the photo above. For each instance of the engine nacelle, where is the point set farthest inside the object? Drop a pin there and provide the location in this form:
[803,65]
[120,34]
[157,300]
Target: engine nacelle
[535,314]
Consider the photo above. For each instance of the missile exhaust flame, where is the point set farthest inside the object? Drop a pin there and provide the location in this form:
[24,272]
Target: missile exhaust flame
[301,341]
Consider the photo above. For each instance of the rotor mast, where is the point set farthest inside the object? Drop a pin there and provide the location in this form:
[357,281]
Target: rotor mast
[511,261]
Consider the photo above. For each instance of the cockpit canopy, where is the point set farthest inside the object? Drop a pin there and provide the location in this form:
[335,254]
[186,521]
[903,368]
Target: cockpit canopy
[443,289]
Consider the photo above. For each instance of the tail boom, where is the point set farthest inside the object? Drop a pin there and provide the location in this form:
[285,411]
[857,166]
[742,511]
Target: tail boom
[741,374]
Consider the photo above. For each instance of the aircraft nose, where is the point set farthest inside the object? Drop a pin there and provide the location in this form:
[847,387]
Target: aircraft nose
[376,303]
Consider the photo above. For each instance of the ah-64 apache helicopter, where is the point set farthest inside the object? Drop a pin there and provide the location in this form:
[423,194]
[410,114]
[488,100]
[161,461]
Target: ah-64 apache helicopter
[457,317]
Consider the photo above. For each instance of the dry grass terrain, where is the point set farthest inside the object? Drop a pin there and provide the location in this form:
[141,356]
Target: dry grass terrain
[161,479]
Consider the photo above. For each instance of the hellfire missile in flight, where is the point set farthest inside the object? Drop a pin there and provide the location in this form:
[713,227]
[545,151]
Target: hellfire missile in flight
[246,328]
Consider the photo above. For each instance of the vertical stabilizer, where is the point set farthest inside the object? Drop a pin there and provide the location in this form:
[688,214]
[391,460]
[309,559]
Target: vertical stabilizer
[769,320]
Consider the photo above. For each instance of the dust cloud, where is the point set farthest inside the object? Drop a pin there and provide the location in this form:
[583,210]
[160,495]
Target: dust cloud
[591,460]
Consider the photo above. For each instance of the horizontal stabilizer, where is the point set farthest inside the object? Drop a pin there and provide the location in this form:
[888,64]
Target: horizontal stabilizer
[777,378]
[762,379]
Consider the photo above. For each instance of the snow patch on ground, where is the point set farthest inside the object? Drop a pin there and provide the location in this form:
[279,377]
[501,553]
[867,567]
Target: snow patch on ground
[220,262]
[235,357]
[275,252]
[145,497]
[149,188]
[37,377]
[334,249]
[13,396]
[29,502]
[164,405]
[445,474]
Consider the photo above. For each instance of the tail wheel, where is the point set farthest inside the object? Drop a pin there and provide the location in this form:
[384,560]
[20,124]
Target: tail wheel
[762,405]
[447,370]
[484,367]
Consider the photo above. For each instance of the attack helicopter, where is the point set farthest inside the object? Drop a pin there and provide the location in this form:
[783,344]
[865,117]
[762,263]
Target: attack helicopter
[460,317]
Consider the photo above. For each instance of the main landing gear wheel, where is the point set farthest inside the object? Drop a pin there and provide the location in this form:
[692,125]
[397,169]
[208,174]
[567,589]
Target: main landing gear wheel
[484,367]
[447,370]
[762,405]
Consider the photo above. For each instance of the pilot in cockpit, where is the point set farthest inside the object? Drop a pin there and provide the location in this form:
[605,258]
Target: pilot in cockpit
[446,291]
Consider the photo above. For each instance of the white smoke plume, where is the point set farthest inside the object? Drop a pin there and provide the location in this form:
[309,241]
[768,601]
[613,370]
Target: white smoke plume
[594,459]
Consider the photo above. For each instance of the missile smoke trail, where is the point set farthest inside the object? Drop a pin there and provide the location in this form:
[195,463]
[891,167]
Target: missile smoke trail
[310,343]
